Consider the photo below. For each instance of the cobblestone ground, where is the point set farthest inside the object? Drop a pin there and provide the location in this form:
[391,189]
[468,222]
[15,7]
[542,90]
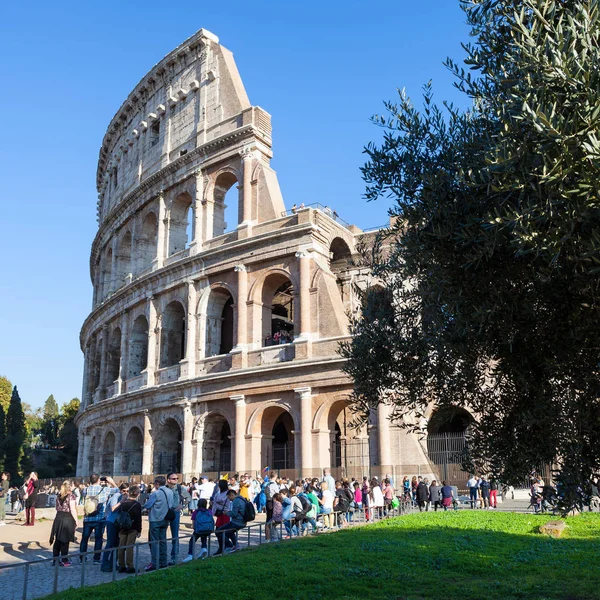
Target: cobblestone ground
[43,578]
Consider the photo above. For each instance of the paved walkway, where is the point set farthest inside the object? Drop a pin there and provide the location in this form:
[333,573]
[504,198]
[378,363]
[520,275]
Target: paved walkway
[19,544]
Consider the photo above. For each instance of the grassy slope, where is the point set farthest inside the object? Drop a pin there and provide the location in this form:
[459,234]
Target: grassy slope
[466,555]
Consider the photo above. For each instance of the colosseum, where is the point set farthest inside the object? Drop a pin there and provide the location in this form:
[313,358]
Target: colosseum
[212,344]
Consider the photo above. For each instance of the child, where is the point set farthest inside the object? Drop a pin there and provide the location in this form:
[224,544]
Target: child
[204,525]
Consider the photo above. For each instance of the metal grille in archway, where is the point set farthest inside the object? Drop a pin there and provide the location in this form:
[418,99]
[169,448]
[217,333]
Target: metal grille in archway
[447,451]
[350,457]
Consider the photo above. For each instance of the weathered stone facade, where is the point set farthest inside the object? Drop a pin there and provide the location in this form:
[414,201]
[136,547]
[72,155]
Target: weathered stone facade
[180,368]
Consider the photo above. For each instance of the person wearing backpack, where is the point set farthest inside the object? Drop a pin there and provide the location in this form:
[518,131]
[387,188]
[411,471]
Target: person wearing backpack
[181,497]
[112,530]
[204,525]
[129,523]
[96,496]
[237,520]
[158,506]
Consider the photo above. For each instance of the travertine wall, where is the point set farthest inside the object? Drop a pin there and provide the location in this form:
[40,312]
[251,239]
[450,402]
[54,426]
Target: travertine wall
[181,372]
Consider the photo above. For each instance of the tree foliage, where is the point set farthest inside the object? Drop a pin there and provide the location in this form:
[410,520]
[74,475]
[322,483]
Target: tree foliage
[5,392]
[2,436]
[15,426]
[493,259]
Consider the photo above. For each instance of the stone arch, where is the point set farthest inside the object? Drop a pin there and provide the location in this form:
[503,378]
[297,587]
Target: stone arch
[113,358]
[224,181]
[219,322]
[216,439]
[108,453]
[138,347]
[278,306]
[107,273]
[133,450]
[167,446]
[124,258]
[147,242]
[449,419]
[172,334]
[92,453]
[180,221]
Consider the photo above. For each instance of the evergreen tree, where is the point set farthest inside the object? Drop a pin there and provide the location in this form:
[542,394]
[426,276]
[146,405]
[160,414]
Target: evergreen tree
[2,436]
[50,425]
[493,257]
[5,392]
[15,438]
[50,408]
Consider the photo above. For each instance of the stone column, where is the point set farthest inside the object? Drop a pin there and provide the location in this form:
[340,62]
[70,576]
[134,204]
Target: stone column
[383,429]
[80,452]
[123,368]
[197,229]
[240,427]
[113,267]
[118,457]
[85,460]
[304,295]
[153,331]
[161,237]
[85,392]
[239,359]
[304,394]
[147,448]
[188,364]
[186,444]
[248,157]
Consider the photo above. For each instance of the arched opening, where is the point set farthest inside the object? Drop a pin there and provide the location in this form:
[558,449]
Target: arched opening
[106,274]
[108,453]
[167,448]
[172,335]
[447,445]
[278,442]
[219,323]
[350,451]
[124,260]
[138,347]
[340,260]
[96,364]
[114,356]
[226,204]
[216,445]
[179,221]
[132,452]
[278,310]
[147,243]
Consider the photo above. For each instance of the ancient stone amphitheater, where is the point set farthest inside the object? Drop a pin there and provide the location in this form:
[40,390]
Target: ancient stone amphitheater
[217,313]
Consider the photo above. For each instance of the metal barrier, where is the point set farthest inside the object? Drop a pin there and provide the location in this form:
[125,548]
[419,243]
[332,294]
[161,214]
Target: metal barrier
[251,536]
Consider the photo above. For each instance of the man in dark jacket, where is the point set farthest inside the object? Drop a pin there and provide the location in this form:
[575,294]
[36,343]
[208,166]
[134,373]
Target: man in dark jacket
[435,495]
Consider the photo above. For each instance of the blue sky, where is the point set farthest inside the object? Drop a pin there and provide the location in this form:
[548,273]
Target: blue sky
[320,68]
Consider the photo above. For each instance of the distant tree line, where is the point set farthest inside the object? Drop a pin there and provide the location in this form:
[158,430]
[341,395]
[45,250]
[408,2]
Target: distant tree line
[44,440]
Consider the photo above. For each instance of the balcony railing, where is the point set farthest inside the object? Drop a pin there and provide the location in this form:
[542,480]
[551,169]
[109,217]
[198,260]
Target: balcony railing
[167,374]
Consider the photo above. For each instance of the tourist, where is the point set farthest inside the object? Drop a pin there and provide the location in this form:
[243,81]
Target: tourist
[310,508]
[447,495]
[112,533]
[194,493]
[294,208]
[31,486]
[357,496]
[341,503]
[422,496]
[160,502]
[273,524]
[493,492]
[288,513]
[245,486]
[414,484]
[64,524]
[366,498]
[220,504]
[329,479]
[473,485]
[96,496]
[15,502]
[270,487]
[205,488]
[376,497]
[128,535]
[388,495]
[326,505]
[4,495]
[406,488]
[434,495]
[484,490]
[204,525]
[228,531]
[180,499]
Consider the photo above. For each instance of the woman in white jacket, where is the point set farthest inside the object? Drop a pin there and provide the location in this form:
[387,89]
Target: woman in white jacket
[376,497]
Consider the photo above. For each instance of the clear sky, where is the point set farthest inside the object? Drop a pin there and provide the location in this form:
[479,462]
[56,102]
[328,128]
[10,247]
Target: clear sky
[320,68]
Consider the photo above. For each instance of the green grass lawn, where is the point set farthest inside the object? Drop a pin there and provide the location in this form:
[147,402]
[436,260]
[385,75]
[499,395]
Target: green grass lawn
[464,555]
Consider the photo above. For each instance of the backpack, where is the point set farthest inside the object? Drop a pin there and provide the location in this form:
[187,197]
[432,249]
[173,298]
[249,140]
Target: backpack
[124,520]
[203,522]
[249,512]
[267,491]
[306,503]
[91,506]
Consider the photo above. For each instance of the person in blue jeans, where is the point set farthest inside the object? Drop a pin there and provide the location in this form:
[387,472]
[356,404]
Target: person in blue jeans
[227,533]
[157,506]
[180,498]
[96,495]
[473,485]
[112,533]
